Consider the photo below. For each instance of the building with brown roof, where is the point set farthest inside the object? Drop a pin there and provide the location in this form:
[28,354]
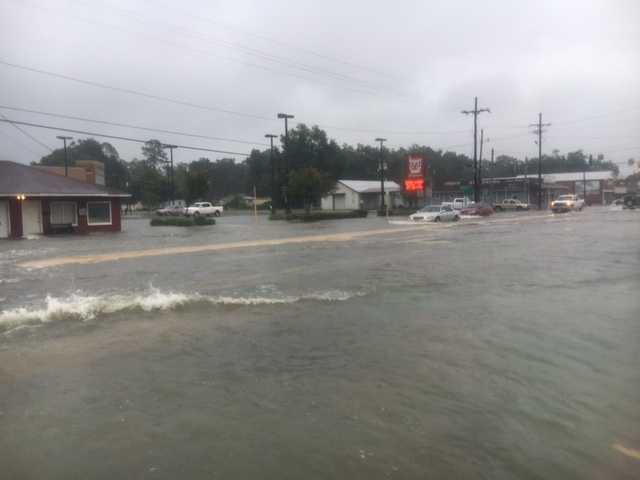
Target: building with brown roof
[35,201]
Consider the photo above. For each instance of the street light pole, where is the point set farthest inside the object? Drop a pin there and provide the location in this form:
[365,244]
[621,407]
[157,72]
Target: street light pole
[274,188]
[66,153]
[286,118]
[172,192]
[382,202]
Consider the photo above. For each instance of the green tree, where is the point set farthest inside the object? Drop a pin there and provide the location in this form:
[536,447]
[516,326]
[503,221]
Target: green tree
[90,149]
[146,184]
[308,185]
[197,185]
[154,153]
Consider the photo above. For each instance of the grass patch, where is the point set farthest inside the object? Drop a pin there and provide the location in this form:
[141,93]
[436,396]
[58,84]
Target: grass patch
[314,216]
[399,211]
[182,221]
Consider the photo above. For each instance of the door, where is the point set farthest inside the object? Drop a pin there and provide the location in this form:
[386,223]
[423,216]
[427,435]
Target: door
[339,201]
[31,217]
[4,219]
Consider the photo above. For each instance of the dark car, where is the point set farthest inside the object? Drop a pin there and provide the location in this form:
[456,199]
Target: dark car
[632,201]
[480,209]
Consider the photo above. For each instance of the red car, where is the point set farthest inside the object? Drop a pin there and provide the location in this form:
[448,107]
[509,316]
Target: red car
[478,209]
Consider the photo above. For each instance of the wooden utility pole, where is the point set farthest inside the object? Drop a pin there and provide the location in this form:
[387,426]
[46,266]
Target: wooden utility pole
[475,113]
[538,131]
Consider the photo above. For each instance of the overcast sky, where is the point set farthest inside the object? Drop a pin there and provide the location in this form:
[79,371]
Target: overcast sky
[359,69]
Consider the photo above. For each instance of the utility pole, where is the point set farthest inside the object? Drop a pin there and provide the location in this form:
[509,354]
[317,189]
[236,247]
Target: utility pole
[475,113]
[383,207]
[538,131]
[286,118]
[480,159]
[274,187]
[66,153]
[172,192]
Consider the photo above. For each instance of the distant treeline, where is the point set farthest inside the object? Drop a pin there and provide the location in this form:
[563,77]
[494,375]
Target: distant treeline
[309,149]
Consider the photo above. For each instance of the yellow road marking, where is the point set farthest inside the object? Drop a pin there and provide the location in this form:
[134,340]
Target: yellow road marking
[629,452]
[156,252]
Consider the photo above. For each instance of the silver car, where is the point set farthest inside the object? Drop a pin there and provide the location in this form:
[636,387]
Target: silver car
[435,213]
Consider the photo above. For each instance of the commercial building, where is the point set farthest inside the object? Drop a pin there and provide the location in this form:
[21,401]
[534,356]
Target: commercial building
[35,201]
[596,187]
[361,194]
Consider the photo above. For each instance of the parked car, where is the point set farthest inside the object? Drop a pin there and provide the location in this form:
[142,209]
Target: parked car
[171,210]
[205,209]
[510,204]
[567,203]
[632,201]
[478,209]
[435,213]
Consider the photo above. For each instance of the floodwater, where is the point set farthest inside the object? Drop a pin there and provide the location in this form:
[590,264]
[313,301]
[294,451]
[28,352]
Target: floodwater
[506,347]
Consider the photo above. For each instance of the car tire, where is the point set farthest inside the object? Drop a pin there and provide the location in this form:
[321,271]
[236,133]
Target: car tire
[216,213]
[519,209]
[456,218]
[498,209]
[437,219]
[196,214]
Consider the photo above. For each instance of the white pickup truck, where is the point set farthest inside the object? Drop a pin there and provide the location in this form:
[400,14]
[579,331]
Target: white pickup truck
[203,208]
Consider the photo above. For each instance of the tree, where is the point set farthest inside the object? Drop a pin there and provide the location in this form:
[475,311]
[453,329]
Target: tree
[154,153]
[146,184]
[197,185]
[308,185]
[90,149]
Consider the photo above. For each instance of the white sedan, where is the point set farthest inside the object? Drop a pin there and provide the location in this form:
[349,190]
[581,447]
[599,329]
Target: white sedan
[435,213]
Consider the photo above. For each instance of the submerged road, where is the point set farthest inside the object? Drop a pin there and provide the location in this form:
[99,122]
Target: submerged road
[502,348]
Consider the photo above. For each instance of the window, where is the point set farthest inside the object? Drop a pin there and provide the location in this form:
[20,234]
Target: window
[99,213]
[63,213]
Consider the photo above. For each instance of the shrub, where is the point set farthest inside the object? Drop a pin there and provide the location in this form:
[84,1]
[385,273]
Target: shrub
[317,215]
[181,221]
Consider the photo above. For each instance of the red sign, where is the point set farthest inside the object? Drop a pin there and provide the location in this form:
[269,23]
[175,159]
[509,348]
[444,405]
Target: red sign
[414,175]
[416,185]
[415,167]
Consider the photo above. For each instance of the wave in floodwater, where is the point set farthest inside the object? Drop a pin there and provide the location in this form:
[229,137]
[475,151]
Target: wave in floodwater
[87,307]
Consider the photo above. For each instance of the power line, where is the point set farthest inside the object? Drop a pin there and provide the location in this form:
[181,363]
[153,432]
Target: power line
[151,96]
[126,125]
[116,137]
[18,142]
[27,134]
[184,47]
[283,43]
[248,50]
[133,92]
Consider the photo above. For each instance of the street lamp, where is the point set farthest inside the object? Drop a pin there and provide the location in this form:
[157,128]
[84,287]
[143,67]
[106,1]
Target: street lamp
[382,202]
[286,118]
[66,153]
[274,188]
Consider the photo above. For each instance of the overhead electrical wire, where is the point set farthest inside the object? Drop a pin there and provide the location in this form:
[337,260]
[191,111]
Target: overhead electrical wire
[117,137]
[248,50]
[27,134]
[161,98]
[135,92]
[127,125]
[276,41]
[207,53]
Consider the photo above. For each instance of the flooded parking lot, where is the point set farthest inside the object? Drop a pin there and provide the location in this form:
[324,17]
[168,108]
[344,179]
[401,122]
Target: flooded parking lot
[360,348]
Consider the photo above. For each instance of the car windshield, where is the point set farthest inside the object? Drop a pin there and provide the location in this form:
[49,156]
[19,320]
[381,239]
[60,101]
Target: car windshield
[386,283]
